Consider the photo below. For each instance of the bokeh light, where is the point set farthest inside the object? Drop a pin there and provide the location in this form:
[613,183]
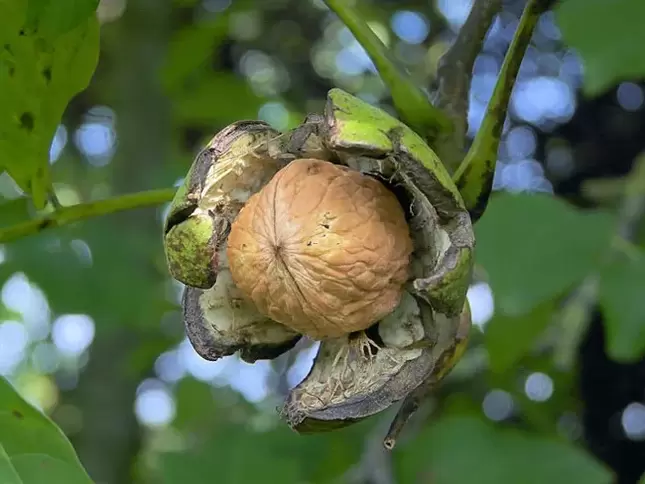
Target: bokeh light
[482,305]
[412,27]
[154,405]
[498,405]
[13,343]
[23,297]
[630,96]
[633,421]
[73,333]
[538,387]
[96,138]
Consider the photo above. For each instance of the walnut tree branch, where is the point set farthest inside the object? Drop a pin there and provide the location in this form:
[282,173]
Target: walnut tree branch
[454,76]
[480,161]
[82,211]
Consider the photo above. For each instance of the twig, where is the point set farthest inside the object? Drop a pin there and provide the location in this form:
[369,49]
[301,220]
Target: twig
[474,176]
[446,357]
[407,409]
[455,72]
[81,211]
[413,106]
[478,158]
[53,199]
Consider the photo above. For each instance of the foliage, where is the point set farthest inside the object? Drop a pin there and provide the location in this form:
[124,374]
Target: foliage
[611,54]
[276,60]
[466,449]
[49,54]
[565,246]
[32,448]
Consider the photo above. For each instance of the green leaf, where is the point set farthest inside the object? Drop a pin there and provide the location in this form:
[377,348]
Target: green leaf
[535,247]
[509,338]
[609,37]
[413,106]
[14,211]
[53,17]
[215,413]
[623,305]
[32,449]
[190,49]
[8,474]
[464,449]
[75,263]
[45,59]
[236,456]
[219,98]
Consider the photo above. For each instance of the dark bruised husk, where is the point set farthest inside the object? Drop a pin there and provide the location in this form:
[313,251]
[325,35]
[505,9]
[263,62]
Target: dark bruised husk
[411,353]
[216,187]
[218,320]
[188,197]
[208,321]
[414,341]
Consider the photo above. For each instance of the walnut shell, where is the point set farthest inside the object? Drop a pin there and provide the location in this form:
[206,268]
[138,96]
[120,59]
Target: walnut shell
[322,249]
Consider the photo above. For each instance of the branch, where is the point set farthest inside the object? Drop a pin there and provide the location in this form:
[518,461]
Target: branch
[455,71]
[479,162]
[413,106]
[446,357]
[474,177]
[81,211]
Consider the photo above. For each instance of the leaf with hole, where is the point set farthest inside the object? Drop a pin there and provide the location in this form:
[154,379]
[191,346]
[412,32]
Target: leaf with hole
[53,17]
[48,52]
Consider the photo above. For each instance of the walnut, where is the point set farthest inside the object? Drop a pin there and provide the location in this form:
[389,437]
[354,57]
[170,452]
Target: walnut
[322,249]
[350,275]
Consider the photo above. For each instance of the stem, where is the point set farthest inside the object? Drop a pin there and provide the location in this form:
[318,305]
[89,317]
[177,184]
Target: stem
[449,346]
[454,76]
[413,106]
[81,211]
[474,176]
[407,409]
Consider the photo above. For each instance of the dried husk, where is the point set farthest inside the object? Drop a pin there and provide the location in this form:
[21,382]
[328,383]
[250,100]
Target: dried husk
[415,340]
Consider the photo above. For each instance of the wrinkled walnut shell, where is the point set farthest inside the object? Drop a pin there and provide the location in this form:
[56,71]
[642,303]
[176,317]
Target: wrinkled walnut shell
[322,249]
[218,320]
[418,342]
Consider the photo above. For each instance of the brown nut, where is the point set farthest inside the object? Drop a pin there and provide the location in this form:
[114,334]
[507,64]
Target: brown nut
[322,249]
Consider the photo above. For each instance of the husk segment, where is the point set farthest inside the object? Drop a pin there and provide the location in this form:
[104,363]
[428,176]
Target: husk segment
[219,321]
[418,338]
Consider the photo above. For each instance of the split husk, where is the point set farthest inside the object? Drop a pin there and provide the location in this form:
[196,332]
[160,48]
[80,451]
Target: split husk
[417,342]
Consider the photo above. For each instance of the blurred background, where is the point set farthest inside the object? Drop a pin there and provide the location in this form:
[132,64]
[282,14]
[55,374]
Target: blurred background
[90,324]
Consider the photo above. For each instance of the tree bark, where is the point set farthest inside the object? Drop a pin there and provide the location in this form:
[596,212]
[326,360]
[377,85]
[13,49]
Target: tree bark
[133,49]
